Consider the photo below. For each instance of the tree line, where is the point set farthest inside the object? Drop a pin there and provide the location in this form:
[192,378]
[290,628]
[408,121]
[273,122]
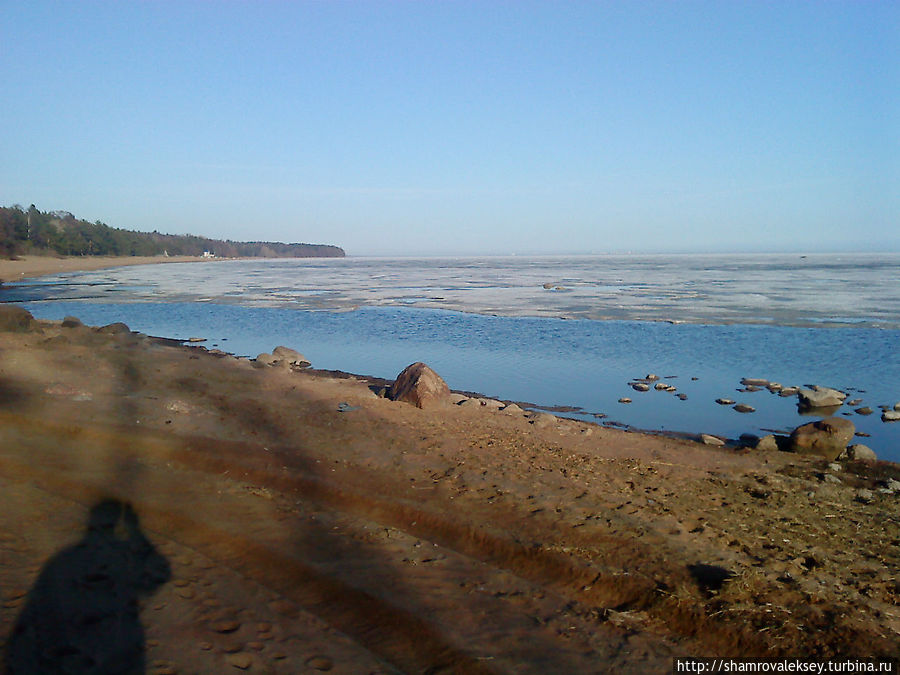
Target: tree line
[24,231]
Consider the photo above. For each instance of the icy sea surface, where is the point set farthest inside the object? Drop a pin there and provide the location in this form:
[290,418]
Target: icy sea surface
[551,331]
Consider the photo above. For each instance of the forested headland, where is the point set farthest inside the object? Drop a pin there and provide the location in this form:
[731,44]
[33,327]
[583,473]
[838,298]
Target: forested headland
[35,232]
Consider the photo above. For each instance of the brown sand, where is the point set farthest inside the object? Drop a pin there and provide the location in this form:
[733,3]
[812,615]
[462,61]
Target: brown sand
[304,535]
[30,266]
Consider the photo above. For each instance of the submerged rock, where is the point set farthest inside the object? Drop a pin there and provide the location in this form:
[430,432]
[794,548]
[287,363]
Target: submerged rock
[421,386]
[826,438]
[820,397]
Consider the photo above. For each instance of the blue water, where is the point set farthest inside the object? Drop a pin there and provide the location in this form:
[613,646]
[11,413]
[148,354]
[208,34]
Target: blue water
[548,361]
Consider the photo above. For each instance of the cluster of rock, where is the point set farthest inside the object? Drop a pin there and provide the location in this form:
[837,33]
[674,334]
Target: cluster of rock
[282,357]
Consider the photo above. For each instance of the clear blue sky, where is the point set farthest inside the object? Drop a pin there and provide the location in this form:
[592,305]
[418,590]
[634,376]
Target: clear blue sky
[461,127]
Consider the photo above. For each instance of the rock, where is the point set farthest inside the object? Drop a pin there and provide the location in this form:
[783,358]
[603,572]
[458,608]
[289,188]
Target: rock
[860,451]
[865,496]
[15,319]
[683,397]
[291,356]
[754,382]
[892,485]
[624,400]
[897,406]
[855,401]
[457,399]
[492,404]
[835,466]
[420,386]
[724,401]
[661,386]
[890,416]
[744,408]
[820,397]
[767,443]
[640,386]
[789,391]
[826,438]
[711,440]
[749,440]
[651,377]
[831,478]
[774,387]
[117,328]
[265,359]
[544,420]
[865,410]
[512,409]
[319,662]
[549,286]
[241,660]
[71,322]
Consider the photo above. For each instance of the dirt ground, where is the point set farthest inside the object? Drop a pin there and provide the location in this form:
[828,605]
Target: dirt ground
[284,521]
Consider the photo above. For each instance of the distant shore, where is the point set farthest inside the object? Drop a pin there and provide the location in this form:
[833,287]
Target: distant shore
[30,266]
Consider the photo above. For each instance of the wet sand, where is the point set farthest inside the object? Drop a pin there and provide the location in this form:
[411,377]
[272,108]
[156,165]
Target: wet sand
[310,525]
[30,266]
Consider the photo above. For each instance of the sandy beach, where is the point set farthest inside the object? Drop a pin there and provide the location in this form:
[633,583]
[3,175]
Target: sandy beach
[30,266]
[294,520]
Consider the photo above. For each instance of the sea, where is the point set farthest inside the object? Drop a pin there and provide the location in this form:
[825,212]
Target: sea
[565,333]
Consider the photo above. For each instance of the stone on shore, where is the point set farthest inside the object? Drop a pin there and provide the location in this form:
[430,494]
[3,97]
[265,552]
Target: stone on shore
[15,319]
[290,356]
[117,328]
[420,386]
[826,438]
[71,322]
[767,443]
[860,451]
[709,439]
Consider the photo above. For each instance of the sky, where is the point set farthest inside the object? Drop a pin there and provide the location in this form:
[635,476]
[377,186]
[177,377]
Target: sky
[461,128]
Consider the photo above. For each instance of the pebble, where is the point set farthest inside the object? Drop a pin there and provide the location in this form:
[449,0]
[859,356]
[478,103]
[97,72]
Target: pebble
[744,408]
[724,401]
[226,626]
[319,662]
[624,400]
[241,660]
[640,386]
[711,440]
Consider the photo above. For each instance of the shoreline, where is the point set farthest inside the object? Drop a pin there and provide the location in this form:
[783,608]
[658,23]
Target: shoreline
[286,500]
[32,266]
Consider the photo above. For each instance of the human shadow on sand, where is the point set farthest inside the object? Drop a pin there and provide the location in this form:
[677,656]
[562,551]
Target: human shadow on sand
[82,615]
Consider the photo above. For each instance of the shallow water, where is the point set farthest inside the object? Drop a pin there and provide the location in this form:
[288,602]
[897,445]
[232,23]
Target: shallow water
[489,325]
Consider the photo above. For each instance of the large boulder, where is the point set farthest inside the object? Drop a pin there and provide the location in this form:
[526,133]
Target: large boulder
[421,386]
[15,319]
[826,438]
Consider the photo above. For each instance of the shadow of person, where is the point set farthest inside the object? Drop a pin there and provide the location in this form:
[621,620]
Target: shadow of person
[81,616]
